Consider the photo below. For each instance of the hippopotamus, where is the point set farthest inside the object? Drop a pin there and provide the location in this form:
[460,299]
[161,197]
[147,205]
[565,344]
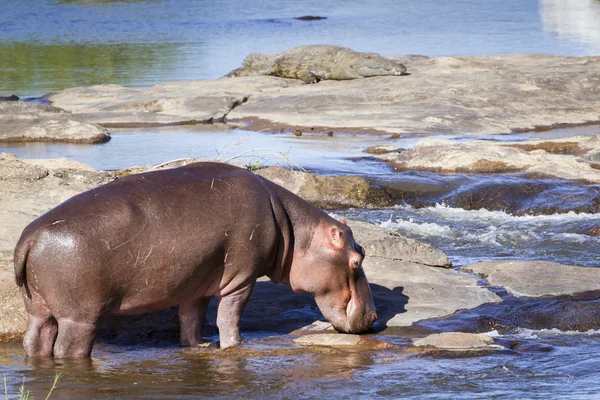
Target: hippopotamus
[180,237]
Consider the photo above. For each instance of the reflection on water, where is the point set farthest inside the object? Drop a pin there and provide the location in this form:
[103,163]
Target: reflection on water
[49,44]
[26,67]
[568,371]
[128,148]
[573,20]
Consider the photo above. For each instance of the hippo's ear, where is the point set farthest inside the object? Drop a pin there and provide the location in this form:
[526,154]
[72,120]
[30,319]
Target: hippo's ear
[338,240]
[343,220]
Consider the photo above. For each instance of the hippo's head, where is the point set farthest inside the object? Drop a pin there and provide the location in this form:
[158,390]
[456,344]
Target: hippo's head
[371,64]
[330,268]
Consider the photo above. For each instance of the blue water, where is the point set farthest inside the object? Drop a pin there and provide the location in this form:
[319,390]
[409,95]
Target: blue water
[58,44]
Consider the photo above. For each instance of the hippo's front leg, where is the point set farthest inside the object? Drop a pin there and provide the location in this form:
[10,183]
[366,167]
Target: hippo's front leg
[229,313]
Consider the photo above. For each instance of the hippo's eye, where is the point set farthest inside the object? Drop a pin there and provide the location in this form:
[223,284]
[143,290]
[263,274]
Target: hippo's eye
[355,263]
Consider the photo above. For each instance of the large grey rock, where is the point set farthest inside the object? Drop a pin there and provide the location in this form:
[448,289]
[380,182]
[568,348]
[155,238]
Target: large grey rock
[405,293]
[384,243]
[538,278]
[173,103]
[439,155]
[458,341]
[326,339]
[445,95]
[326,191]
[27,122]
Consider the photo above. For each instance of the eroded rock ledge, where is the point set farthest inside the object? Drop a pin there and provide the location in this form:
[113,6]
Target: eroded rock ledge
[446,95]
[29,122]
[573,158]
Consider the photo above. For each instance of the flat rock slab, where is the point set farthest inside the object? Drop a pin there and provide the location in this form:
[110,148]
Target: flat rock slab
[28,122]
[173,103]
[384,243]
[457,341]
[445,95]
[454,340]
[438,155]
[405,293]
[327,339]
[538,278]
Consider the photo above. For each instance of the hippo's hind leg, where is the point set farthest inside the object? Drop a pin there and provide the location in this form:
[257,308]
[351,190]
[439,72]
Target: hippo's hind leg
[191,319]
[40,335]
[75,339]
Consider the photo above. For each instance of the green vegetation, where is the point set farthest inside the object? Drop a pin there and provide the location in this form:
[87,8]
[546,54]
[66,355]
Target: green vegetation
[25,394]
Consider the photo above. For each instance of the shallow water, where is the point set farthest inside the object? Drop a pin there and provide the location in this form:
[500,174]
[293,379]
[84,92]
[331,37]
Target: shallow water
[47,45]
[546,364]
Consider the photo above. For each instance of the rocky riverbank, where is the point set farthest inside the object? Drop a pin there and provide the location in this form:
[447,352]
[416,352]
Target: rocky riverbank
[412,284]
[446,95]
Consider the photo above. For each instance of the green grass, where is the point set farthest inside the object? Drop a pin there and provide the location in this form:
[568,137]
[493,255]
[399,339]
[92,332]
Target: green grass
[25,394]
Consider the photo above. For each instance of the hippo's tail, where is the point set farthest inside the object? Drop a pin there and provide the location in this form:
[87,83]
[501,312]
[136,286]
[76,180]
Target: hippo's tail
[21,253]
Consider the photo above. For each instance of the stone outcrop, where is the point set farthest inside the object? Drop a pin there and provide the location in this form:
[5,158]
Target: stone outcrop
[405,293]
[174,103]
[28,122]
[445,95]
[457,341]
[440,155]
[538,278]
[327,191]
[384,243]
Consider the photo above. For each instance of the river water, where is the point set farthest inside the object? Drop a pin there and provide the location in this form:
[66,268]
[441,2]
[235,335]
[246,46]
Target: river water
[50,45]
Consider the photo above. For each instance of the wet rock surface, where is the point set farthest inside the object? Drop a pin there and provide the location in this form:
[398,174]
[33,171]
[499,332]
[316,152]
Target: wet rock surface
[516,193]
[28,122]
[447,95]
[324,339]
[457,341]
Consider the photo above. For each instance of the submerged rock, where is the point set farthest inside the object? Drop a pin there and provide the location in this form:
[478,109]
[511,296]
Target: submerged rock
[458,341]
[383,149]
[28,122]
[326,339]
